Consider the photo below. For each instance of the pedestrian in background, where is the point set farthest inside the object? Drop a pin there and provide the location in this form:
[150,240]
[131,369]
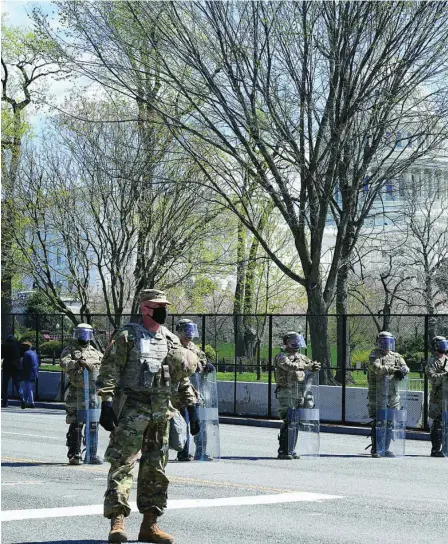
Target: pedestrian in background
[11,368]
[30,367]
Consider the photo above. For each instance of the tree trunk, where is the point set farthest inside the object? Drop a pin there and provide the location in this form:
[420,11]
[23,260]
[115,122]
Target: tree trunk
[239,291]
[343,355]
[318,327]
[429,303]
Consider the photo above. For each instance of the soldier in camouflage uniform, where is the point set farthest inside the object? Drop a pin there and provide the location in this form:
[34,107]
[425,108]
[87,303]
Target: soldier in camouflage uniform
[75,358]
[142,369]
[187,330]
[437,372]
[290,368]
[384,362]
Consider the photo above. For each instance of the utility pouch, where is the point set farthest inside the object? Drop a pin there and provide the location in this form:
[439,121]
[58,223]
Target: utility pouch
[178,432]
[166,375]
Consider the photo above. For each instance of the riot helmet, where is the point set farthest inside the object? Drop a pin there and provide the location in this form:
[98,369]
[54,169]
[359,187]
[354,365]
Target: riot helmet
[83,333]
[386,341]
[440,344]
[187,328]
[294,340]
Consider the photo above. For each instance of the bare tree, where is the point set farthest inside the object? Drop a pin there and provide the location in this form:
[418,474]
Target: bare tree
[310,99]
[426,252]
[306,99]
[25,62]
[88,205]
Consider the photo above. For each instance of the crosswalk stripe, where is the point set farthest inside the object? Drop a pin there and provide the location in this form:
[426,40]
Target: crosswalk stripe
[97,509]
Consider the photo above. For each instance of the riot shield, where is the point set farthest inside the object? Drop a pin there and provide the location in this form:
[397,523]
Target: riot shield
[207,444]
[391,416]
[309,417]
[89,409]
[445,417]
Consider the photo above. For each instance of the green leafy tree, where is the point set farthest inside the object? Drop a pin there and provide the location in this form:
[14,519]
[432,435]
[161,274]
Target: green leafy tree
[25,64]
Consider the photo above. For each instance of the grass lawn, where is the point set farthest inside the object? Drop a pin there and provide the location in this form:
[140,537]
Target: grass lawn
[360,379]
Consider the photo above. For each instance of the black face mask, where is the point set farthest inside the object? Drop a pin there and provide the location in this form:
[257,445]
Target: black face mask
[159,315]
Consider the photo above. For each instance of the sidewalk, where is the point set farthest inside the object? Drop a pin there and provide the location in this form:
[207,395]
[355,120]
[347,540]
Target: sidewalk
[273,423]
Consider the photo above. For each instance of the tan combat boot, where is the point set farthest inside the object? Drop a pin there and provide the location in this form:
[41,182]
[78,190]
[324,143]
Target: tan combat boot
[150,532]
[117,530]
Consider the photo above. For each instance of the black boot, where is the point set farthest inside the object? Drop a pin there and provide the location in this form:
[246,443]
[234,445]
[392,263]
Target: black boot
[283,452]
[184,454]
[436,439]
[373,452]
[74,439]
[388,452]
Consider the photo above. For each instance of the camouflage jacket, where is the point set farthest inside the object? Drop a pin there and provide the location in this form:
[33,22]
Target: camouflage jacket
[182,392]
[123,363]
[381,365]
[437,372]
[290,369]
[69,363]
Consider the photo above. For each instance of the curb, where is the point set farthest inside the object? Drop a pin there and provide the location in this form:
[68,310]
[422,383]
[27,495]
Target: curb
[324,427]
[270,423]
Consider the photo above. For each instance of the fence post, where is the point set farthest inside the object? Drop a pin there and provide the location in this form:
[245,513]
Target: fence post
[235,359]
[62,385]
[37,352]
[270,367]
[203,332]
[425,377]
[344,365]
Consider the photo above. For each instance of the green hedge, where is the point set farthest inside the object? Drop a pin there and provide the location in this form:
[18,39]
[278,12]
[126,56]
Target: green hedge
[52,348]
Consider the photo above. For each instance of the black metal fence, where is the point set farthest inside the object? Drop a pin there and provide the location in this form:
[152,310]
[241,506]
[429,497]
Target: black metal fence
[243,348]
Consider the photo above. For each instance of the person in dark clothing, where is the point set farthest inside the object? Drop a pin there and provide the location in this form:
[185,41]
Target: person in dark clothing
[30,365]
[11,368]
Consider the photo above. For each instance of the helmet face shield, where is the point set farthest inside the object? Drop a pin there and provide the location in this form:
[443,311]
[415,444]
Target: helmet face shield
[189,330]
[83,334]
[386,343]
[440,344]
[295,341]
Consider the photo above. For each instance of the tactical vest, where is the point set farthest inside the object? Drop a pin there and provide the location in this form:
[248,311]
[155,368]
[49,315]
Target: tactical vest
[145,372]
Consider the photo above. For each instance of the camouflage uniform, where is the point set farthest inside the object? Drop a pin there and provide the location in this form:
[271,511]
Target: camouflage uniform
[381,365]
[178,395]
[437,372]
[142,403]
[290,372]
[198,439]
[69,363]
[75,397]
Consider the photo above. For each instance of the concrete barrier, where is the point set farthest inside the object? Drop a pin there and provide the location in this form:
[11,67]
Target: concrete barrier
[252,400]
[48,386]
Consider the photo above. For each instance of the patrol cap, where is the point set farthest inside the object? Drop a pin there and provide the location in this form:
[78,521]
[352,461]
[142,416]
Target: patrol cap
[152,295]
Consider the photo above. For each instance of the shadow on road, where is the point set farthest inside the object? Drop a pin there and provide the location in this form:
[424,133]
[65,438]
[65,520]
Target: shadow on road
[22,464]
[69,542]
[247,458]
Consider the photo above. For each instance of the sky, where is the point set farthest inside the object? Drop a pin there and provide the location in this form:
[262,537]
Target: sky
[18,15]
[18,10]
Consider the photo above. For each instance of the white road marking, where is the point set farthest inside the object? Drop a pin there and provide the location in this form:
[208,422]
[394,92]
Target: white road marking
[22,483]
[97,509]
[35,435]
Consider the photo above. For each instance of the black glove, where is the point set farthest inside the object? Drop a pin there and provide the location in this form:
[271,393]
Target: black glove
[208,367]
[108,418]
[195,426]
[400,373]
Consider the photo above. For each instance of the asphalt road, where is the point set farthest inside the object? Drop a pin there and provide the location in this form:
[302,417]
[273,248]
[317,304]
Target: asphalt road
[344,496]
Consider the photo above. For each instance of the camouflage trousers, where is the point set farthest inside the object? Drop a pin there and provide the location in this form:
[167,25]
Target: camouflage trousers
[137,431]
[289,398]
